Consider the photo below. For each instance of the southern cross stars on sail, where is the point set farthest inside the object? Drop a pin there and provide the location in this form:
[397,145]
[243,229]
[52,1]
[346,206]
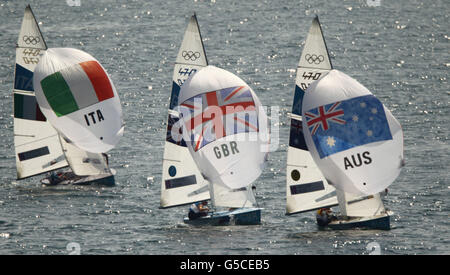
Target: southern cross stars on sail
[346,124]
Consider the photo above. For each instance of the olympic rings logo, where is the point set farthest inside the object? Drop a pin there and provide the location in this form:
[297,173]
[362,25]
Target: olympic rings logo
[314,58]
[31,39]
[190,55]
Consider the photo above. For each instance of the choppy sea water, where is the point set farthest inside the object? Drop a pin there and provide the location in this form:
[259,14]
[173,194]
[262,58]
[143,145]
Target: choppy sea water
[397,49]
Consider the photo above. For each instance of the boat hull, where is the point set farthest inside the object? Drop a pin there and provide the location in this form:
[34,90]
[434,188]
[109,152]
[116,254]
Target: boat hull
[102,179]
[380,222]
[241,216]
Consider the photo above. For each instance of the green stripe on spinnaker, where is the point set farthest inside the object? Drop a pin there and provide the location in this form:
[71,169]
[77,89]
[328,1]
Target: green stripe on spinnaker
[58,94]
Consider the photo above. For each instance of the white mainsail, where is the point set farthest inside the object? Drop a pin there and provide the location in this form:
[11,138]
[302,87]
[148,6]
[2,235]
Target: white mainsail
[223,196]
[226,131]
[352,205]
[352,136]
[306,187]
[84,163]
[79,99]
[36,142]
[182,182]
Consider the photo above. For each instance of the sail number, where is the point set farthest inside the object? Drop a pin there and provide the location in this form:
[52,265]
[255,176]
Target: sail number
[356,161]
[309,76]
[30,58]
[225,150]
[29,52]
[312,75]
[185,72]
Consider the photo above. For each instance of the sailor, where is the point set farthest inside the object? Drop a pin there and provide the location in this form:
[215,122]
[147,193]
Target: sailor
[106,158]
[51,179]
[198,209]
[323,216]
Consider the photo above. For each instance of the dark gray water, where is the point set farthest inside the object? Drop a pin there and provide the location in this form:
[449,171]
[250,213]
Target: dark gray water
[399,50]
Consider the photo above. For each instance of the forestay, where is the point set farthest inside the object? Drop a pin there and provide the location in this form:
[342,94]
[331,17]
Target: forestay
[306,188]
[36,142]
[79,99]
[352,136]
[182,182]
[225,129]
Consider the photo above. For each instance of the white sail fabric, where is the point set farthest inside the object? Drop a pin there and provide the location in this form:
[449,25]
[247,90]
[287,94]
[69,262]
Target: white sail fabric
[352,205]
[36,141]
[30,34]
[227,133]
[84,163]
[315,53]
[232,198]
[353,138]
[306,187]
[79,99]
[182,182]
[192,51]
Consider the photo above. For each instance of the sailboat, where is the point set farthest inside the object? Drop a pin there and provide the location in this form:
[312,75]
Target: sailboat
[225,129]
[307,187]
[39,148]
[358,145]
[182,182]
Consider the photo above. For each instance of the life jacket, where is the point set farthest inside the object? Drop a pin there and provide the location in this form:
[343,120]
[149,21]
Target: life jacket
[194,208]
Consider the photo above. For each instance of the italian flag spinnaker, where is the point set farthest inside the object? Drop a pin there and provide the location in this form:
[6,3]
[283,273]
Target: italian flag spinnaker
[78,98]
[67,94]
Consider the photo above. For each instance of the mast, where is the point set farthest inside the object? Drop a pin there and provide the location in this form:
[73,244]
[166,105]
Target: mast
[36,142]
[182,183]
[306,187]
